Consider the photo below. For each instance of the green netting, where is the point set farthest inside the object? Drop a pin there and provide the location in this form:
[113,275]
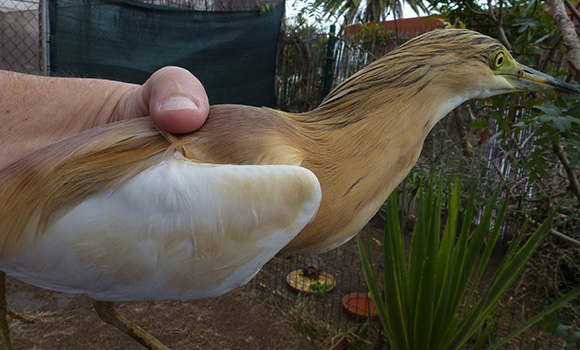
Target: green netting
[232,53]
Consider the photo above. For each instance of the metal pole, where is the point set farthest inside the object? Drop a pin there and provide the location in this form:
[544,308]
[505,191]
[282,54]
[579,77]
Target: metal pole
[44,38]
[327,86]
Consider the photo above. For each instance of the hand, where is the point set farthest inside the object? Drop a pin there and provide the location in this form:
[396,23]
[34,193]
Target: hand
[38,111]
[172,96]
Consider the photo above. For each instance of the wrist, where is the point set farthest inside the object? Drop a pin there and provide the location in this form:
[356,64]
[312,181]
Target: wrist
[36,111]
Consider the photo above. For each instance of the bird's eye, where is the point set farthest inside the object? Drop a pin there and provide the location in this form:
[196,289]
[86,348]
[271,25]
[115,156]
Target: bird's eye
[498,60]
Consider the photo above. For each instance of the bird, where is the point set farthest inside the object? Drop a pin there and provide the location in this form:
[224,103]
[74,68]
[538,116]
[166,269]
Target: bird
[129,212]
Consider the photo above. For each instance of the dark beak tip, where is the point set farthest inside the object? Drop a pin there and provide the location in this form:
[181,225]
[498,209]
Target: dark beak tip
[571,92]
[566,89]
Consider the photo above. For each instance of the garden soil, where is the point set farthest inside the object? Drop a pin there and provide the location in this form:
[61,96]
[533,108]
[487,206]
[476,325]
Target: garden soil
[236,320]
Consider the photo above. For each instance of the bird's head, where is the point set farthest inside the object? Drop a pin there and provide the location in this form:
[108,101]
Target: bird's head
[441,69]
[472,61]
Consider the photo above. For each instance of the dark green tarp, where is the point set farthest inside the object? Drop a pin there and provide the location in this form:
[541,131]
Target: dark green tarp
[232,53]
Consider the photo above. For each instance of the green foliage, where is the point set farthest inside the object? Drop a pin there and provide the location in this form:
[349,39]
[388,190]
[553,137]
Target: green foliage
[430,301]
[320,287]
[569,333]
[266,8]
[479,124]
[529,28]
[372,37]
[302,54]
[359,339]
[551,125]
[463,14]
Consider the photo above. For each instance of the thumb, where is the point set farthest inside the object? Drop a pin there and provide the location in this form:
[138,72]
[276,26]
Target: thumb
[176,100]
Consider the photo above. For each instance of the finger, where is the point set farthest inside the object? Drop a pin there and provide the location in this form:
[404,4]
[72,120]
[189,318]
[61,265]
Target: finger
[177,100]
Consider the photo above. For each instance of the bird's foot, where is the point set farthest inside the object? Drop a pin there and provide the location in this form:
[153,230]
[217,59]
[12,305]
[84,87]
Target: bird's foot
[18,316]
[8,311]
[107,313]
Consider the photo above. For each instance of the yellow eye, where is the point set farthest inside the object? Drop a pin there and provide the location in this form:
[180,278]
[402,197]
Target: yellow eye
[497,60]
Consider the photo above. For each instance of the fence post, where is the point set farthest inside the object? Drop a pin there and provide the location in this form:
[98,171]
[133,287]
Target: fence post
[328,62]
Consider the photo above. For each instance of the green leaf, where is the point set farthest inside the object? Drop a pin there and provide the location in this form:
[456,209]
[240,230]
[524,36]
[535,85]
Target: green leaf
[538,41]
[561,330]
[541,141]
[573,140]
[505,126]
[534,102]
[550,322]
[574,110]
[533,176]
[478,124]
[520,124]
[544,118]
[372,284]
[573,155]
[550,110]
[573,338]
[573,120]
[535,162]
[562,124]
[542,173]
[545,129]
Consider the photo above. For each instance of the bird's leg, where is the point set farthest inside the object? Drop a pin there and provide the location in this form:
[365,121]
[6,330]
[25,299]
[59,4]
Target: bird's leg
[107,313]
[4,307]
[6,310]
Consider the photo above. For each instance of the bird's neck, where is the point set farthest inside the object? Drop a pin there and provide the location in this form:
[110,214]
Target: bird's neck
[360,156]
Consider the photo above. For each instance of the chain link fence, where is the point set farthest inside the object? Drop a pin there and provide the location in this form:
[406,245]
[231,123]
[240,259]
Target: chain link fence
[21,36]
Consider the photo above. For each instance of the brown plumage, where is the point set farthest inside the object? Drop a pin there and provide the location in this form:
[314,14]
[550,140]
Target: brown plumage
[360,142]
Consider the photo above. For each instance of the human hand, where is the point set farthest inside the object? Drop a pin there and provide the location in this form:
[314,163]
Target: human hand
[172,96]
[38,111]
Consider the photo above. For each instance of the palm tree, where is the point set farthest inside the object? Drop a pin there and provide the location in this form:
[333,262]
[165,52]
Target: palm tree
[366,10]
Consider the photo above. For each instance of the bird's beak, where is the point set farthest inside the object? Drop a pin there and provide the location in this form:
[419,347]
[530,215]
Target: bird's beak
[524,78]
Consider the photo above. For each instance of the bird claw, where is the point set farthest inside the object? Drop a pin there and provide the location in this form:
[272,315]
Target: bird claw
[107,313]
[18,316]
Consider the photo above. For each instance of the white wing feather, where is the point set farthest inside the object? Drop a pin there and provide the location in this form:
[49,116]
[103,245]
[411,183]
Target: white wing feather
[179,230]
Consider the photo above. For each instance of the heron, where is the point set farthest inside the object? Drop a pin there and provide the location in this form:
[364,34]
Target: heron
[128,212]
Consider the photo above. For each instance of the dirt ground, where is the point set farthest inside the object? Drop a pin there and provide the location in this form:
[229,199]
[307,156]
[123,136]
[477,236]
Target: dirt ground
[233,321]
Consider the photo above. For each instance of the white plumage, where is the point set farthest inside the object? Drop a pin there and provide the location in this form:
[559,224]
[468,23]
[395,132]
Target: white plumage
[178,230]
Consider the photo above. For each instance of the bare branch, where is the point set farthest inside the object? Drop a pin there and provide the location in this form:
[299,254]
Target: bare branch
[572,179]
[560,235]
[572,10]
[480,13]
[490,11]
[498,23]
[565,238]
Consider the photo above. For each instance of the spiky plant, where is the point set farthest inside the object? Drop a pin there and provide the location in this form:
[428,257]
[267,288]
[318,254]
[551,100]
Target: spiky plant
[430,302]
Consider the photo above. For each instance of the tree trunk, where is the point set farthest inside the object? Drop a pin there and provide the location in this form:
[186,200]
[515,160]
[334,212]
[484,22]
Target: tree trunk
[569,35]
